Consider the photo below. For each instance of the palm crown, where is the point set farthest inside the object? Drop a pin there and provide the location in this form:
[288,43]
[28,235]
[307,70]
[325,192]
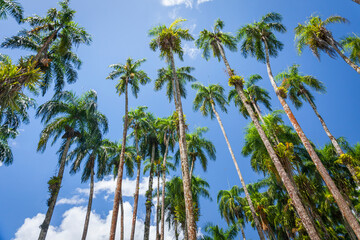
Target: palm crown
[165,77]
[316,36]
[351,44]
[129,73]
[168,39]
[254,36]
[296,83]
[208,96]
[214,40]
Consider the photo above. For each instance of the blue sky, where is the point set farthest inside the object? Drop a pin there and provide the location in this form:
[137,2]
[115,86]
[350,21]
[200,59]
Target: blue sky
[119,30]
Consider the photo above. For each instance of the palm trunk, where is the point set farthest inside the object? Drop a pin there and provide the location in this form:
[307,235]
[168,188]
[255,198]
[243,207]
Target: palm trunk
[176,230]
[343,206]
[192,167]
[163,189]
[247,195]
[136,195]
[45,225]
[46,45]
[148,194]
[242,231]
[334,44]
[184,161]
[118,190]
[158,208]
[357,1]
[280,169]
[333,140]
[87,218]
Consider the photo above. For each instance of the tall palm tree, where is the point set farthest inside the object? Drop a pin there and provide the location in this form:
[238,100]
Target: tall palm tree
[11,7]
[139,123]
[260,34]
[93,147]
[52,38]
[168,40]
[218,233]
[65,116]
[198,148]
[351,44]
[318,38]
[204,42]
[167,132]
[165,76]
[205,100]
[151,146]
[296,85]
[127,73]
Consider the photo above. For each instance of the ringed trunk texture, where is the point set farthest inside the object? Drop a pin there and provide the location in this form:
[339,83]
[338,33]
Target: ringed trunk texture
[87,218]
[136,195]
[118,190]
[291,189]
[45,225]
[247,195]
[190,220]
[242,231]
[163,189]
[333,140]
[343,206]
[148,194]
[334,44]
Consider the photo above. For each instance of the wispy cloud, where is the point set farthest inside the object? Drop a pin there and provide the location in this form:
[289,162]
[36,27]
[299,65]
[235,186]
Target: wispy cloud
[75,200]
[191,50]
[187,3]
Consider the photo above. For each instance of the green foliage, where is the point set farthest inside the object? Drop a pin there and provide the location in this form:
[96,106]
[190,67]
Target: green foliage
[233,80]
[12,8]
[282,92]
[351,44]
[54,185]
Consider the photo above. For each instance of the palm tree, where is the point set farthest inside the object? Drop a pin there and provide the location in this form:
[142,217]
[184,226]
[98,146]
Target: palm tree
[230,207]
[127,73]
[12,8]
[218,233]
[260,34]
[296,85]
[318,38]
[151,146]
[198,148]
[165,77]
[52,38]
[167,132]
[138,122]
[168,40]
[351,44]
[205,100]
[92,147]
[65,116]
[204,42]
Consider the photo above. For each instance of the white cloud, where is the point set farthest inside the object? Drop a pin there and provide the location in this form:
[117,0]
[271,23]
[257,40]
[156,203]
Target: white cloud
[202,1]
[108,186]
[75,200]
[1,164]
[169,3]
[173,14]
[191,50]
[71,226]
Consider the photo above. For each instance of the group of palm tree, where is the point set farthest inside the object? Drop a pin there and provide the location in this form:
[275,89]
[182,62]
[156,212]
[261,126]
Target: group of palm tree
[307,192]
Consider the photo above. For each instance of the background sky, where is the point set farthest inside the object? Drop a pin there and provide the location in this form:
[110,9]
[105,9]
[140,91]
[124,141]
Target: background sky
[119,30]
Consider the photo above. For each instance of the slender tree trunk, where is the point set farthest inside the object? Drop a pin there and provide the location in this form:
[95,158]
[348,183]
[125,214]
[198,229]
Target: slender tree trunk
[242,231]
[136,195]
[333,140]
[184,161]
[357,1]
[280,169]
[45,46]
[192,167]
[45,225]
[176,230]
[343,206]
[158,208]
[118,190]
[87,218]
[334,44]
[247,195]
[148,194]
[163,189]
